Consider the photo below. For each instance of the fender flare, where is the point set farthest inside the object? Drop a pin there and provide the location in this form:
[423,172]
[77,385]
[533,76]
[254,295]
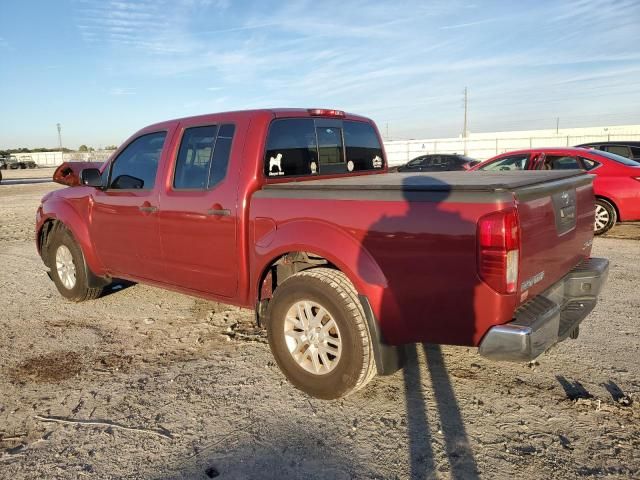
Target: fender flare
[318,237]
[63,212]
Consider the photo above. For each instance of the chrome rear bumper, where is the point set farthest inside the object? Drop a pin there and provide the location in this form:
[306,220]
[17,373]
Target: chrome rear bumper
[548,318]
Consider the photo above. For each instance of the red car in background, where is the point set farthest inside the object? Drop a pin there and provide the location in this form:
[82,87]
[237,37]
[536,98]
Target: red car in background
[616,186]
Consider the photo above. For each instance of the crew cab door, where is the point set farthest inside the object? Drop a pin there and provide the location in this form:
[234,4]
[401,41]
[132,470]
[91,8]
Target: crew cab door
[198,211]
[123,217]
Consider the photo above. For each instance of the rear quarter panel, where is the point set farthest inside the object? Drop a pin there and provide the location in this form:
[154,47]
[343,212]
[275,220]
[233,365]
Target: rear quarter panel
[415,261]
[617,184]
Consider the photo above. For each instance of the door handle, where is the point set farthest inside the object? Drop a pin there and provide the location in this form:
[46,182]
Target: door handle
[148,208]
[221,212]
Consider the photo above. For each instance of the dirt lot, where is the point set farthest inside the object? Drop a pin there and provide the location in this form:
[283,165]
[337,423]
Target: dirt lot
[144,383]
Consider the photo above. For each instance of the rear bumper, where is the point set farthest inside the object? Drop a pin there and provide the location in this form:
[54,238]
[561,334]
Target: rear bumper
[548,318]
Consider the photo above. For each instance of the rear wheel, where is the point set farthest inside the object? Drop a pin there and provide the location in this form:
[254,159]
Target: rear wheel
[68,270]
[318,334]
[606,216]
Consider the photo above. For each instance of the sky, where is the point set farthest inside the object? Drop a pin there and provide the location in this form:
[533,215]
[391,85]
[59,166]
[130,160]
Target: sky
[105,68]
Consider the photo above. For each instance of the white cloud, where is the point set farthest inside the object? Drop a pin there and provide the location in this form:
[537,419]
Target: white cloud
[403,62]
[121,91]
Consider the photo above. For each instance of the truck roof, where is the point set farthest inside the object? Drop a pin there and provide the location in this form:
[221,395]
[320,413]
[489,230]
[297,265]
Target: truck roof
[274,112]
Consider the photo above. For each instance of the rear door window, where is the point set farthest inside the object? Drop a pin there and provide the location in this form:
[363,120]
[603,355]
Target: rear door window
[618,150]
[203,157]
[307,146]
[559,162]
[433,161]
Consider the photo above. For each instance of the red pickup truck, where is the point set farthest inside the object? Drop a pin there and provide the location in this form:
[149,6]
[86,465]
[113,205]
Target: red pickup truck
[292,213]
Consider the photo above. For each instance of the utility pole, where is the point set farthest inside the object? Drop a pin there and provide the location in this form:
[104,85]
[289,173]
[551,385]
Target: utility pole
[60,141]
[464,130]
[387,130]
[557,124]
[59,135]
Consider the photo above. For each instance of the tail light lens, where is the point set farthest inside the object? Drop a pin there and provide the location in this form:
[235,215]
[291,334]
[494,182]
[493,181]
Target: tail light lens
[499,250]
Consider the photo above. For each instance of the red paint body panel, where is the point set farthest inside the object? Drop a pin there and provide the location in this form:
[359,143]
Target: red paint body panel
[416,262]
[613,181]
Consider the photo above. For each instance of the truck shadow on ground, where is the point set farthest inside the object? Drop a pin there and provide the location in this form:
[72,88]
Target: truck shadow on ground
[437,244]
[421,431]
[279,453]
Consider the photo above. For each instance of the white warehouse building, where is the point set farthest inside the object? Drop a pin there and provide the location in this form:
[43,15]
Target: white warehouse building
[485,145]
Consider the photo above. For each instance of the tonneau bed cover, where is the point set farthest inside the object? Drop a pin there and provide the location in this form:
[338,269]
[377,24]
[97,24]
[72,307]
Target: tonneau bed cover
[433,182]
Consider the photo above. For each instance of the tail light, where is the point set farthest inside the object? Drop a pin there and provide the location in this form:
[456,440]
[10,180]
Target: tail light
[323,112]
[499,250]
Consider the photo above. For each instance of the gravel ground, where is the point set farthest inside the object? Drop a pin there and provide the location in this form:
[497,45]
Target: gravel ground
[145,383]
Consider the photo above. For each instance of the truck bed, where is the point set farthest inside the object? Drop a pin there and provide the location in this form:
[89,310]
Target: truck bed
[423,226]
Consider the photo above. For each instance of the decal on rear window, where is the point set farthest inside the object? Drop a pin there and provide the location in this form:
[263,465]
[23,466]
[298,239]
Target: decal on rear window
[275,165]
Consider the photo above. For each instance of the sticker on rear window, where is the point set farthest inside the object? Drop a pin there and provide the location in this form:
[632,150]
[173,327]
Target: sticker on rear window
[275,166]
[377,162]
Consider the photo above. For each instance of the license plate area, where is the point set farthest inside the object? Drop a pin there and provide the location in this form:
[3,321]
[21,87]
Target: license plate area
[564,209]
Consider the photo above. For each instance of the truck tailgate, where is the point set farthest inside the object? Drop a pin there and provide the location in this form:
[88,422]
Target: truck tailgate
[556,222]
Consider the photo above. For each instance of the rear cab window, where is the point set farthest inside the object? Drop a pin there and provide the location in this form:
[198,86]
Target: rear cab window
[314,146]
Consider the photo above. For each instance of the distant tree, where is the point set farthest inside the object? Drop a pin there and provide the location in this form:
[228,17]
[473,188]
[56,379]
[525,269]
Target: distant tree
[83,148]
[111,147]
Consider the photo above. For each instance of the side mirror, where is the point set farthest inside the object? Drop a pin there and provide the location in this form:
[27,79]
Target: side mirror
[91,177]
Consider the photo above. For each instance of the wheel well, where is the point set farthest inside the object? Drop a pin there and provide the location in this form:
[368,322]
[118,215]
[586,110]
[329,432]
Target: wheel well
[278,270]
[615,207]
[43,235]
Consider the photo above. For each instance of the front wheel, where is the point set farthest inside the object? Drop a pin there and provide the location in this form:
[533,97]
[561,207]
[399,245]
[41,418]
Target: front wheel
[606,216]
[68,270]
[318,334]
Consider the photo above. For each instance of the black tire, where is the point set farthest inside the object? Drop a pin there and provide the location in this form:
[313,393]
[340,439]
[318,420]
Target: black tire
[606,216]
[80,291]
[334,292]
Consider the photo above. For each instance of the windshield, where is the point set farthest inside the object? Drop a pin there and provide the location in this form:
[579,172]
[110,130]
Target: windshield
[618,158]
